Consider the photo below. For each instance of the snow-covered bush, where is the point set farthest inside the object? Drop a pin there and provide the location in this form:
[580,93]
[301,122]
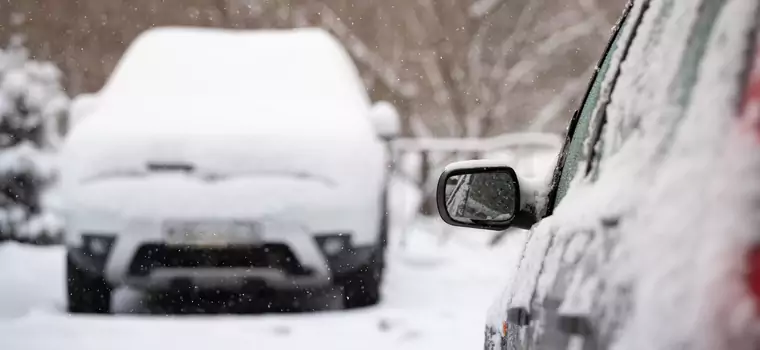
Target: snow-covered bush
[32,106]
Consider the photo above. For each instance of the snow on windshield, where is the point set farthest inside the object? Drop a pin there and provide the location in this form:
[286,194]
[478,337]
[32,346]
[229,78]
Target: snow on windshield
[298,67]
[229,103]
[226,82]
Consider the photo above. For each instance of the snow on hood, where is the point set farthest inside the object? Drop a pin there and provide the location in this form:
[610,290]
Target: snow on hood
[180,196]
[112,146]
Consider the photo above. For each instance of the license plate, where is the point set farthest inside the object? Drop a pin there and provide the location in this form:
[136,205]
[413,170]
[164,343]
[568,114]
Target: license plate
[212,234]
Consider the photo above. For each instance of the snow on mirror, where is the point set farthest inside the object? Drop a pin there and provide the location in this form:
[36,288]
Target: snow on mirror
[385,119]
[489,197]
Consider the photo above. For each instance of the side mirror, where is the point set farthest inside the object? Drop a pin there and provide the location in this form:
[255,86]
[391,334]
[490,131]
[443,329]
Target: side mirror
[385,119]
[484,194]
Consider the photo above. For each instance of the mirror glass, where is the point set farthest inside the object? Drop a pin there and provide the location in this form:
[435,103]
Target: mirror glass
[482,197]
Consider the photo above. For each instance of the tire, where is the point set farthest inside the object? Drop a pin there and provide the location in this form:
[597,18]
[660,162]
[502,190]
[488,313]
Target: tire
[86,294]
[320,299]
[362,287]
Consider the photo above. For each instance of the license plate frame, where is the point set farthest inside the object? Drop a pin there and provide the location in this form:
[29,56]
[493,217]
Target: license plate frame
[212,234]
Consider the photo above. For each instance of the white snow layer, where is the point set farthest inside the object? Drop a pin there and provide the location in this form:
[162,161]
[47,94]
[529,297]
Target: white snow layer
[264,117]
[37,85]
[674,279]
[435,296]
[265,108]
[687,255]
[250,73]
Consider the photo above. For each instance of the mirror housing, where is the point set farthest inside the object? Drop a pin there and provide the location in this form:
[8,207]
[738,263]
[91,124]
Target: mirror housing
[485,177]
[386,120]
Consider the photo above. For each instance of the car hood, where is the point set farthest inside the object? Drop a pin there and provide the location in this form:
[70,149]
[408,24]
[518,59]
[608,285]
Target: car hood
[178,196]
[335,160]
[317,138]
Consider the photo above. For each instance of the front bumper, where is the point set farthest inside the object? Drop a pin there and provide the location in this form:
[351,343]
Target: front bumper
[228,279]
[289,260]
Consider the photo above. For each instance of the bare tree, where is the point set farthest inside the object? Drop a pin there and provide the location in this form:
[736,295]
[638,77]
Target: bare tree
[463,68]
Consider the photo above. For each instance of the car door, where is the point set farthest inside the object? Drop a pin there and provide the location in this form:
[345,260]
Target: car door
[525,315]
[567,255]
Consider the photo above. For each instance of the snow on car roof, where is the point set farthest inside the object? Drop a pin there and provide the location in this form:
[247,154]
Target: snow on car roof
[233,79]
[248,62]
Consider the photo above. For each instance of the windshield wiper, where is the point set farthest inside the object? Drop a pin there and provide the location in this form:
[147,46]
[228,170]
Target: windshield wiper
[167,166]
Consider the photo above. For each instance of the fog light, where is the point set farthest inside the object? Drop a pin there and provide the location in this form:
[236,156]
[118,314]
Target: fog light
[333,245]
[98,245]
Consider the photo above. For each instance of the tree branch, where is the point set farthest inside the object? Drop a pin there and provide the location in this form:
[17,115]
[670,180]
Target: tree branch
[363,54]
[482,8]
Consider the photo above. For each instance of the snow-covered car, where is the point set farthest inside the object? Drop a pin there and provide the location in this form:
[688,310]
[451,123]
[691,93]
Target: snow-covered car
[228,160]
[647,235]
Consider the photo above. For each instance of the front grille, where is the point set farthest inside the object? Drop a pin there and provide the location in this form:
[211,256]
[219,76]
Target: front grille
[275,256]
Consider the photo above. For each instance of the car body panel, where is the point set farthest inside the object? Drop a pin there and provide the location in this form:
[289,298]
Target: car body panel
[175,138]
[616,263]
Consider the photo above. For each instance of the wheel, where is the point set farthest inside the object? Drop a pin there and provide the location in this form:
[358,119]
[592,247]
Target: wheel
[362,287]
[87,294]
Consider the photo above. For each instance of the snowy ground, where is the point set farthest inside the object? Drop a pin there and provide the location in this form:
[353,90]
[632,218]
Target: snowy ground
[435,297]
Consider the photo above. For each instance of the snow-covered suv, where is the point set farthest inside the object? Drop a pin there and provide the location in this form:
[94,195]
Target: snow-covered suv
[647,236]
[227,160]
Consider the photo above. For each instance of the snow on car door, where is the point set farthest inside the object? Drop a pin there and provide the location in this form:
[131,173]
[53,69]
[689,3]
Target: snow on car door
[526,314]
[575,295]
[569,239]
[562,283]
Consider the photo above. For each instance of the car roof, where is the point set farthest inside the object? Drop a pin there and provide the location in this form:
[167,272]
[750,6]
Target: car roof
[306,64]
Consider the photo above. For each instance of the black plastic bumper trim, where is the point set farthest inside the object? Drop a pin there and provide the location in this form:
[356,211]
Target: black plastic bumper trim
[88,260]
[350,258]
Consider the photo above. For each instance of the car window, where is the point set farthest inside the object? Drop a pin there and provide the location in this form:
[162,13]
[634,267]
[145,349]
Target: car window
[680,89]
[574,153]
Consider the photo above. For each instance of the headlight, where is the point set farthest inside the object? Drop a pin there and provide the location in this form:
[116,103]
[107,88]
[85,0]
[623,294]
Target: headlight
[334,244]
[97,244]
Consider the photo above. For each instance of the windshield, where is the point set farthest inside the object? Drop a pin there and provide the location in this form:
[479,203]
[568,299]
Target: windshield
[262,68]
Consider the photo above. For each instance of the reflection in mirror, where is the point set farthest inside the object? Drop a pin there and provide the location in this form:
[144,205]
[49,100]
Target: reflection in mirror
[484,197]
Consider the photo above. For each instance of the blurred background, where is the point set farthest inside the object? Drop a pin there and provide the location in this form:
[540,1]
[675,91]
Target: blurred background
[453,68]
[470,79]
